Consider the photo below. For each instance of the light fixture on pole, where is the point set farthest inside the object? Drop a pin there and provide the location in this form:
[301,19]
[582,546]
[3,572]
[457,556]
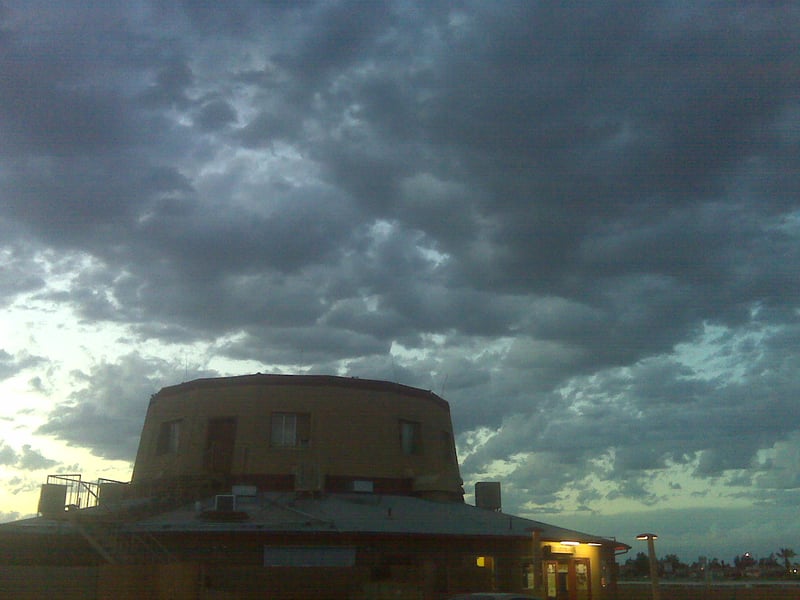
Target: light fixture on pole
[651,551]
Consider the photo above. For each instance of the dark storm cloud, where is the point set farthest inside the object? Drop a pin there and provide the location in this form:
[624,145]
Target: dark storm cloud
[106,413]
[20,272]
[214,115]
[533,209]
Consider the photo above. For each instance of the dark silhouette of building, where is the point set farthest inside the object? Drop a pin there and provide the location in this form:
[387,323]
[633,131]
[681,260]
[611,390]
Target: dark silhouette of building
[293,487]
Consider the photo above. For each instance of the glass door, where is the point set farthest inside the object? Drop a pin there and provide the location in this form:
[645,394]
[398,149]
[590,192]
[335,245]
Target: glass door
[567,579]
[583,579]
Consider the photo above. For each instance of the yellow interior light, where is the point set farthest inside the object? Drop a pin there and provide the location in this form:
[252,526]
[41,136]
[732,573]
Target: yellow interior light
[480,561]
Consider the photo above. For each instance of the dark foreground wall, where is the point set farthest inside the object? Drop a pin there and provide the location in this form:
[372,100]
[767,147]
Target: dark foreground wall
[722,591]
[177,581]
[35,583]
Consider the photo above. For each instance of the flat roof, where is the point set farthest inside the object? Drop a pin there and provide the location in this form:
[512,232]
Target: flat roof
[347,513]
[358,513]
[267,379]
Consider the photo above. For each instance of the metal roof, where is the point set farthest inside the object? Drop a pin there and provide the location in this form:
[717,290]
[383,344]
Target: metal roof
[358,514]
[297,513]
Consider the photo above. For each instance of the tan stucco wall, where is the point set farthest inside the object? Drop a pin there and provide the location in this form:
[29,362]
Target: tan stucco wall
[354,430]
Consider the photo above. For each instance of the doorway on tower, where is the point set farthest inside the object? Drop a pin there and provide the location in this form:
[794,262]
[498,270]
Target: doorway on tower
[220,441]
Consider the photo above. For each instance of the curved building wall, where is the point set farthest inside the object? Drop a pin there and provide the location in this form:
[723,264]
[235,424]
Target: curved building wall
[301,432]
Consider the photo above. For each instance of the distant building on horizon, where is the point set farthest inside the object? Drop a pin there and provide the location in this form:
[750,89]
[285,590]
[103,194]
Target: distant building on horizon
[294,486]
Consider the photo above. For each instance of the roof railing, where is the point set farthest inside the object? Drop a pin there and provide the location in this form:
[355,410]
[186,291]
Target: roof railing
[79,493]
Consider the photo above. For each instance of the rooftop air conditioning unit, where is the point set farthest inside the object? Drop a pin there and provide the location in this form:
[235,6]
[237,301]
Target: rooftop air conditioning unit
[487,495]
[225,503]
[307,478]
[244,491]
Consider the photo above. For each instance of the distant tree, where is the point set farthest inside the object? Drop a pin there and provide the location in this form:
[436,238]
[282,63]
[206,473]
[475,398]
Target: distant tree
[671,559]
[743,562]
[640,565]
[787,554]
[672,564]
[768,561]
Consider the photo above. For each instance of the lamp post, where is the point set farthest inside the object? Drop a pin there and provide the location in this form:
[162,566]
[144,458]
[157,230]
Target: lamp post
[651,551]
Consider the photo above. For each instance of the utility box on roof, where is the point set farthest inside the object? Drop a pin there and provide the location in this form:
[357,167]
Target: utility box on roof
[52,499]
[487,495]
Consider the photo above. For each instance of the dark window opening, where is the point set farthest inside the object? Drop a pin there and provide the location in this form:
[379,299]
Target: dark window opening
[220,442]
[290,430]
[448,445]
[411,437]
[169,436]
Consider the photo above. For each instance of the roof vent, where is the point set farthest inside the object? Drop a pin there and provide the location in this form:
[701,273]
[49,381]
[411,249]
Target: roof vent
[487,495]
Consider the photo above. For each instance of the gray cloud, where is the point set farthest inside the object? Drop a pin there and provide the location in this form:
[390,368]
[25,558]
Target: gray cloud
[692,532]
[579,224]
[33,460]
[7,517]
[8,455]
[27,459]
[10,365]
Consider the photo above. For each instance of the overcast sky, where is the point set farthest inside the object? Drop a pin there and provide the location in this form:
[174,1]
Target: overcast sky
[578,223]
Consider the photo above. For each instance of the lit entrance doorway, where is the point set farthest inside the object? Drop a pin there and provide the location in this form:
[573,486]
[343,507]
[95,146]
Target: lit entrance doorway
[568,579]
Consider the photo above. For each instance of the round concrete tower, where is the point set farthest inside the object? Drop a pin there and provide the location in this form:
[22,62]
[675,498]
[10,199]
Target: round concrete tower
[307,433]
